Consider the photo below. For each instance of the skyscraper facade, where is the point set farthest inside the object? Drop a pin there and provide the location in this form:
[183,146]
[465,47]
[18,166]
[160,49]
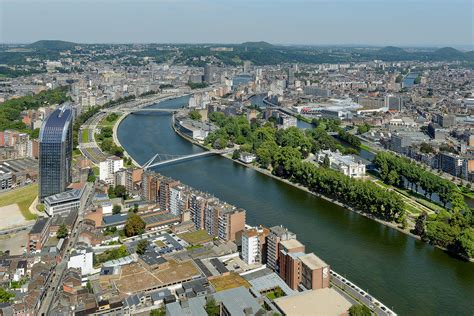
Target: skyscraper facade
[55,152]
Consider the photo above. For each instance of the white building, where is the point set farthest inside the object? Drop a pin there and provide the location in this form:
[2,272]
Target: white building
[108,168]
[344,164]
[83,259]
[64,202]
[250,246]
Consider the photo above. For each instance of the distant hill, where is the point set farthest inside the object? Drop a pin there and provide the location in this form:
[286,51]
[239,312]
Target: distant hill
[391,50]
[260,44]
[448,53]
[52,45]
[469,55]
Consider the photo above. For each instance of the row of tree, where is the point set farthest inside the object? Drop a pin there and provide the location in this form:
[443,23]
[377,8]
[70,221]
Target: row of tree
[283,151]
[395,170]
[453,229]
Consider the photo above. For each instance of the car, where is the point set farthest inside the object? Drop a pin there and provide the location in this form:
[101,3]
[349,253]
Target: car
[383,308]
[369,297]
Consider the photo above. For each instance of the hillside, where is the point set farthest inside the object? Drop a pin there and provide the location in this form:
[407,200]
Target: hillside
[52,45]
[260,44]
[391,50]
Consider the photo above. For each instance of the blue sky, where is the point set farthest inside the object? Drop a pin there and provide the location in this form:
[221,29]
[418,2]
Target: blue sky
[372,22]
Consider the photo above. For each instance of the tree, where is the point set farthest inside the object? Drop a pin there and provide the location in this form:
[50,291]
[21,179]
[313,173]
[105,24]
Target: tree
[420,224]
[142,245]
[5,296]
[62,231]
[116,209]
[134,225]
[236,154]
[91,178]
[326,162]
[359,310]
[212,308]
[158,312]
[195,115]
[120,191]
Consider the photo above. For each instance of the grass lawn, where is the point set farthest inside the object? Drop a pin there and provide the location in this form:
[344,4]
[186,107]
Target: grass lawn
[230,281]
[96,170]
[105,122]
[196,238]
[85,135]
[23,196]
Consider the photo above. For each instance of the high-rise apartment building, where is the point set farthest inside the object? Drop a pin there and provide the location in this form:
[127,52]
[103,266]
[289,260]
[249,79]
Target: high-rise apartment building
[108,168]
[254,245]
[55,152]
[277,234]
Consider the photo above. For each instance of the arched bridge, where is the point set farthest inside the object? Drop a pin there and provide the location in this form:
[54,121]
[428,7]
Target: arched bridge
[163,159]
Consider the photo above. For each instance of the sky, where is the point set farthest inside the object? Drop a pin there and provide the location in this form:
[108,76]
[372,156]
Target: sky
[313,22]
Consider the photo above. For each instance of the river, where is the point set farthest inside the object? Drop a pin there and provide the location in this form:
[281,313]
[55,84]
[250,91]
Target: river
[409,275]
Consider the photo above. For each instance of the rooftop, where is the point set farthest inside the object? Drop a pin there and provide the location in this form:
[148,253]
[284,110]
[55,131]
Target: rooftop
[324,301]
[312,261]
[237,301]
[291,244]
[65,196]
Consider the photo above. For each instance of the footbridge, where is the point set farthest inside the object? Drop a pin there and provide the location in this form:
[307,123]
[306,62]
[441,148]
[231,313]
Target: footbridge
[164,159]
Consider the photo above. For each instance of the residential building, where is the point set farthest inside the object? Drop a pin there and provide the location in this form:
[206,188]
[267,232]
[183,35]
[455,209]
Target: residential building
[82,259]
[289,263]
[55,152]
[276,235]
[254,245]
[315,273]
[38,234]
[108,168]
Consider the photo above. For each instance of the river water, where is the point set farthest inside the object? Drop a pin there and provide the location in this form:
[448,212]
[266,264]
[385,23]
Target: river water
[409,275]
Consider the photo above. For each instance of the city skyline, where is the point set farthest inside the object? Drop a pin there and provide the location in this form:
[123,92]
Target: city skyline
[368,23]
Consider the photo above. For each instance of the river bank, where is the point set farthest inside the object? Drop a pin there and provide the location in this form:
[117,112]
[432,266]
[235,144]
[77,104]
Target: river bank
[117,141]
[305,189]
[396,268]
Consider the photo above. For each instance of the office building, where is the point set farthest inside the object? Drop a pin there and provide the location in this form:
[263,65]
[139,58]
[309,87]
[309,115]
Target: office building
[55,152]
[108,168]
[64,202]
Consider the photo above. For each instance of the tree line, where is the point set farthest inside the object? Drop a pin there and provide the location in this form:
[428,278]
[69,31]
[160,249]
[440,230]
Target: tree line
[452,229]
[283,151]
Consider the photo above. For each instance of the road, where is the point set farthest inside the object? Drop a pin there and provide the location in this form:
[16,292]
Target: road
[61,268]
[359,294]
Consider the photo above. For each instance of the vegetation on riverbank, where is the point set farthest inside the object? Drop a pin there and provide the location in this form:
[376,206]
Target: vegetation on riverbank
[451,228]
[283,151]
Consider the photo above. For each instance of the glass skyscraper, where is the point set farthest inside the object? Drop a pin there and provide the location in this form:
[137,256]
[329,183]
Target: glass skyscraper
[55,152]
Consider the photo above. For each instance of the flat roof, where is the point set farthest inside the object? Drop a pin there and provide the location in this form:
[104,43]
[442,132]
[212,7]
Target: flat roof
[66,196]
[39,225]
[291,243]
[312,261]
[237,300]
[317,302]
